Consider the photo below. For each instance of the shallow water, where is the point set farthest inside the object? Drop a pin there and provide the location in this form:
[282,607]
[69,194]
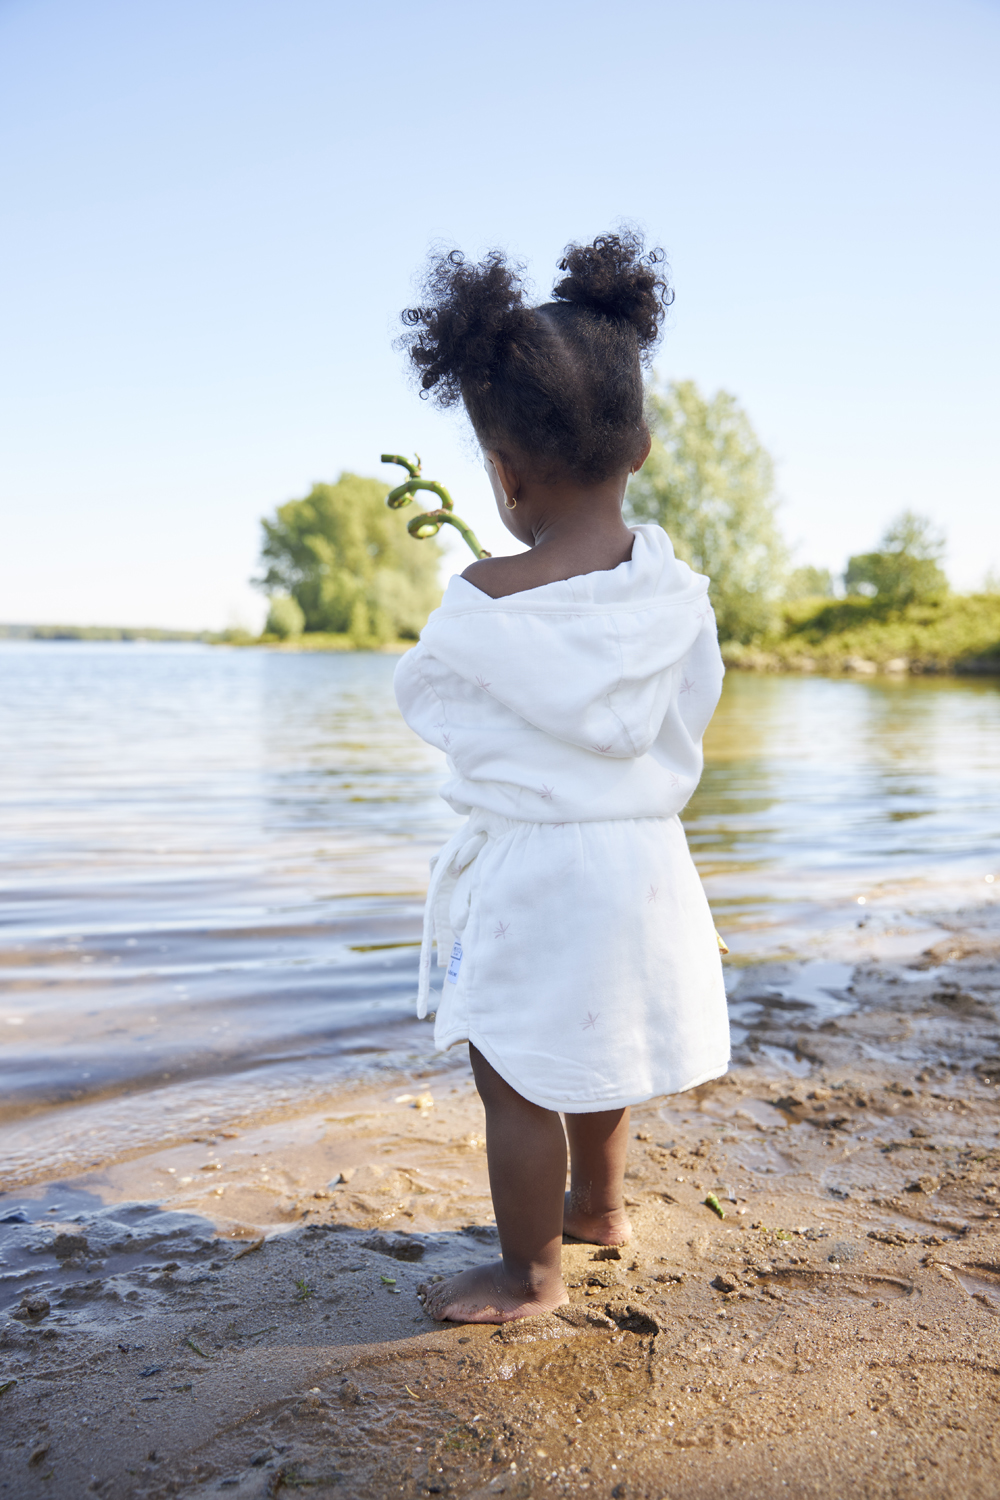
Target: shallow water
[213,864]
[821,791]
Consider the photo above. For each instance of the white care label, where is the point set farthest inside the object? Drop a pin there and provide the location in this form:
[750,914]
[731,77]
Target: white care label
[456,963]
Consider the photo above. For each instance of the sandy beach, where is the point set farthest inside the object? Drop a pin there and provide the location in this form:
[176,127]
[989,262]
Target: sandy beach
[239,1312]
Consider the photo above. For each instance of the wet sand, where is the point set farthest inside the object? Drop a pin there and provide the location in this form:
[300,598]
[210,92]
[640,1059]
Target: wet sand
[238,1313]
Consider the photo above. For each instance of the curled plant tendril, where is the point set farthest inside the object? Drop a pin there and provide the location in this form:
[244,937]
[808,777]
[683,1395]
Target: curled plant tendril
[428,522]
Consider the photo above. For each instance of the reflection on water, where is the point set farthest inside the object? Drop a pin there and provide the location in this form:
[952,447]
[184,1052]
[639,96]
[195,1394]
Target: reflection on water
[819,790]
[213,863]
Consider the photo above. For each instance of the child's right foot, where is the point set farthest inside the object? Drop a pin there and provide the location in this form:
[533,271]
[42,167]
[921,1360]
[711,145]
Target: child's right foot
[596,1229]
[486,1294]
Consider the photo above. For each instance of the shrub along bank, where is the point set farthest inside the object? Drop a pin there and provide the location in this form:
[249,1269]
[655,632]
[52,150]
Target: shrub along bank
[954,633]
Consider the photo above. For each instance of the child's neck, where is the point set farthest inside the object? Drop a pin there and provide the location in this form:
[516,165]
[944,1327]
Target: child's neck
[568,530]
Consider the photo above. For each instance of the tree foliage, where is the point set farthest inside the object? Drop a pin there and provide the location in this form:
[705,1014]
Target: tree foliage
[906,568]
[710,484]
[809,582]
[285,617]
[348,563]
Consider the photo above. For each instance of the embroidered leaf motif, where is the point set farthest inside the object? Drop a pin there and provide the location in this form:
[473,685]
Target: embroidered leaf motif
[546,793]
[602,749]
[687,686]
[501,929]
[675,780]
[590,1024]
[653,892]
[446,739]
[482,684]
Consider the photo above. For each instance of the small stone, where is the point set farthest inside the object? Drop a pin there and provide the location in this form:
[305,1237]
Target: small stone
[33,1308]
[843,1252]
[722,1283]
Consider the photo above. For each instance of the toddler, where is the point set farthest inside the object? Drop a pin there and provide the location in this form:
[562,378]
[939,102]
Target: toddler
[569,686]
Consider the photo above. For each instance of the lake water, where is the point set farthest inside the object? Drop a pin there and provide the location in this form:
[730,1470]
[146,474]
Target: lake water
[214,861]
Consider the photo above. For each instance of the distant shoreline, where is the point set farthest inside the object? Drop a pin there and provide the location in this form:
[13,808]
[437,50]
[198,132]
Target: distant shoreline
[902,647]
[311,641]
[102,633]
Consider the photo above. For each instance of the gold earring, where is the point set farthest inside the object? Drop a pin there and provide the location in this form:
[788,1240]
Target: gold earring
[509,504]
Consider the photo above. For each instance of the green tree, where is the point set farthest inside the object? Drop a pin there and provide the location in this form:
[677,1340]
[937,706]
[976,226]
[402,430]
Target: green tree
[285,617]
[809,583]
[348,562]
[906,568]
[710,484]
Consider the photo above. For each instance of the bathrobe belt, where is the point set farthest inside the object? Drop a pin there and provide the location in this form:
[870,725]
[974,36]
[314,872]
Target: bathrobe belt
[446,867]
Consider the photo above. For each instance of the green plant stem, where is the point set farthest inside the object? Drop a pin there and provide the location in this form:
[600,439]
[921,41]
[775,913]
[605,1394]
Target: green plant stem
[404,493]
[413,469]
[433,520]
[429,522]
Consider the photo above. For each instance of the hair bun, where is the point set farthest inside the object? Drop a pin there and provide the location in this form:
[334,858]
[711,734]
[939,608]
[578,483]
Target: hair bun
[617,277]
[470,319]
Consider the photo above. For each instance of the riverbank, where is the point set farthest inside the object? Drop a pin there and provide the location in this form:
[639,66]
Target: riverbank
[958,634]
[239,1311]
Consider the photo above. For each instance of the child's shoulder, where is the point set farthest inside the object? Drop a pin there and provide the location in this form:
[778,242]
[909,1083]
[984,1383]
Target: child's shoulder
[500,576]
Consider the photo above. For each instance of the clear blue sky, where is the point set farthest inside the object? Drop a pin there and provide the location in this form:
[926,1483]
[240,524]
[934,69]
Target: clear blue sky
[213,211]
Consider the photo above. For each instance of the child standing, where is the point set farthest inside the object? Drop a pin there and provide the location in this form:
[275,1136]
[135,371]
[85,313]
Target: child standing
[569,686]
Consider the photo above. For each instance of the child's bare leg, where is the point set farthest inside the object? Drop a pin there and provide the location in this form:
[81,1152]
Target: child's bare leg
[595,1210]
[526,1152]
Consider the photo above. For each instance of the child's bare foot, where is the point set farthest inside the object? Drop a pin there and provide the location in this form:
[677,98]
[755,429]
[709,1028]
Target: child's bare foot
[596,1229]
[487,1294]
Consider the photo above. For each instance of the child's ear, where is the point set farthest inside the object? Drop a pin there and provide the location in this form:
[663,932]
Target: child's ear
[510,480]
[642,454]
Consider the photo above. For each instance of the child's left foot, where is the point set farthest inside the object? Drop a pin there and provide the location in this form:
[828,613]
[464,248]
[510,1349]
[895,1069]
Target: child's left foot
[486,1294]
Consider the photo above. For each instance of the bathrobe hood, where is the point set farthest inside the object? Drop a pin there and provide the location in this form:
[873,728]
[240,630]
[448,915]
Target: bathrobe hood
[611,666]
[588,660]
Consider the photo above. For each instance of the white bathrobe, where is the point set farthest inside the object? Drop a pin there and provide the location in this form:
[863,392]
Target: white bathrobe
[582,957]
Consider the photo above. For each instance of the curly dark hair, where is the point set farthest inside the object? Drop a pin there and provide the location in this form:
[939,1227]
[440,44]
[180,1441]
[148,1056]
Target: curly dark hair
[560,385]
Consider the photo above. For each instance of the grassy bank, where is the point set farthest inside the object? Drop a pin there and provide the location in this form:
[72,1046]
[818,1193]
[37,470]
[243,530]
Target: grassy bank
[958,633]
